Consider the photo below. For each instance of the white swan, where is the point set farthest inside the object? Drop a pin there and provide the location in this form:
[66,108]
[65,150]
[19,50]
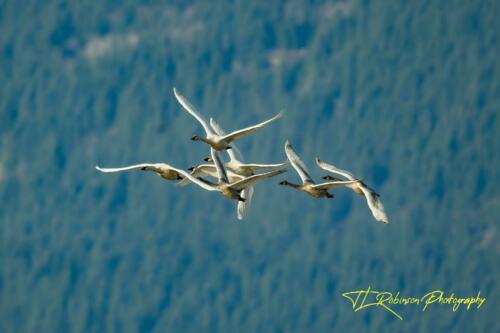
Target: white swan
[230,190]
[372,197]
[235,163]
[218,142]
[308,185]
[163,170]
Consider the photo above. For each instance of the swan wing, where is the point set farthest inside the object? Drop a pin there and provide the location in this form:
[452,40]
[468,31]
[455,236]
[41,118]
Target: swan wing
[199,171]
[297,163]
[244,206]
[333,169]
[191,109]
[207,170]
[248,181]
[200,182]
[236,134]
[255,166]
[156,167]
[334,184]
[375,205]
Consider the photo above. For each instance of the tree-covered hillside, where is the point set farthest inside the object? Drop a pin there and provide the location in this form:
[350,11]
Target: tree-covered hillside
[402,93]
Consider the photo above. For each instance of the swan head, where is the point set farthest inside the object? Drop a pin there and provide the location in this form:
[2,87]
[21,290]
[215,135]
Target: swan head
[284,182]
[191,169]
[208,159]
[331,178]
[196,138]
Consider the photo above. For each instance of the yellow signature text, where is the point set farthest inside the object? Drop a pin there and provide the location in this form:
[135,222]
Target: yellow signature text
[365,298]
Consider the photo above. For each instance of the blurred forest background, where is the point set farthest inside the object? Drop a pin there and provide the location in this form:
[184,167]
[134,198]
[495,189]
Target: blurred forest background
[403,93]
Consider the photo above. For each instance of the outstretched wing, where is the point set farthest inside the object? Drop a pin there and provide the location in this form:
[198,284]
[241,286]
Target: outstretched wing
[344,173]
[334,184]
[236,134]
[156,167]
[190,108]
[248,181]
[334,169]
[375,205]
[297,163]
[255,166]
[234,153]
[244,206]
[199,171]
[202,183]
[207,170]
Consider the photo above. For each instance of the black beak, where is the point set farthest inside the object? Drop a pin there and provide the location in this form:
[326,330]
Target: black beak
[207,159]
[191,169]
[193,138]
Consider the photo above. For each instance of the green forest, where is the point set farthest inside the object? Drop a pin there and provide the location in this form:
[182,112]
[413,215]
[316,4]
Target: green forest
[405,94]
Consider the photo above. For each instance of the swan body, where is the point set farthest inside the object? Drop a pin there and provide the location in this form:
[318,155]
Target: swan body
[372,197]
[163,170]
[218,142]
[229,190]
[308,185]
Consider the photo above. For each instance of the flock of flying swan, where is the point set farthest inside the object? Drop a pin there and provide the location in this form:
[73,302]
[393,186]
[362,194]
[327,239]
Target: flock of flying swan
[236,179]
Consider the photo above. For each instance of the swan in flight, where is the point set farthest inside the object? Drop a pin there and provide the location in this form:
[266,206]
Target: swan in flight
[216,141]
[230,190]
[372,197]
[210,170]
[308,185]
[235,163]
[163,170]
